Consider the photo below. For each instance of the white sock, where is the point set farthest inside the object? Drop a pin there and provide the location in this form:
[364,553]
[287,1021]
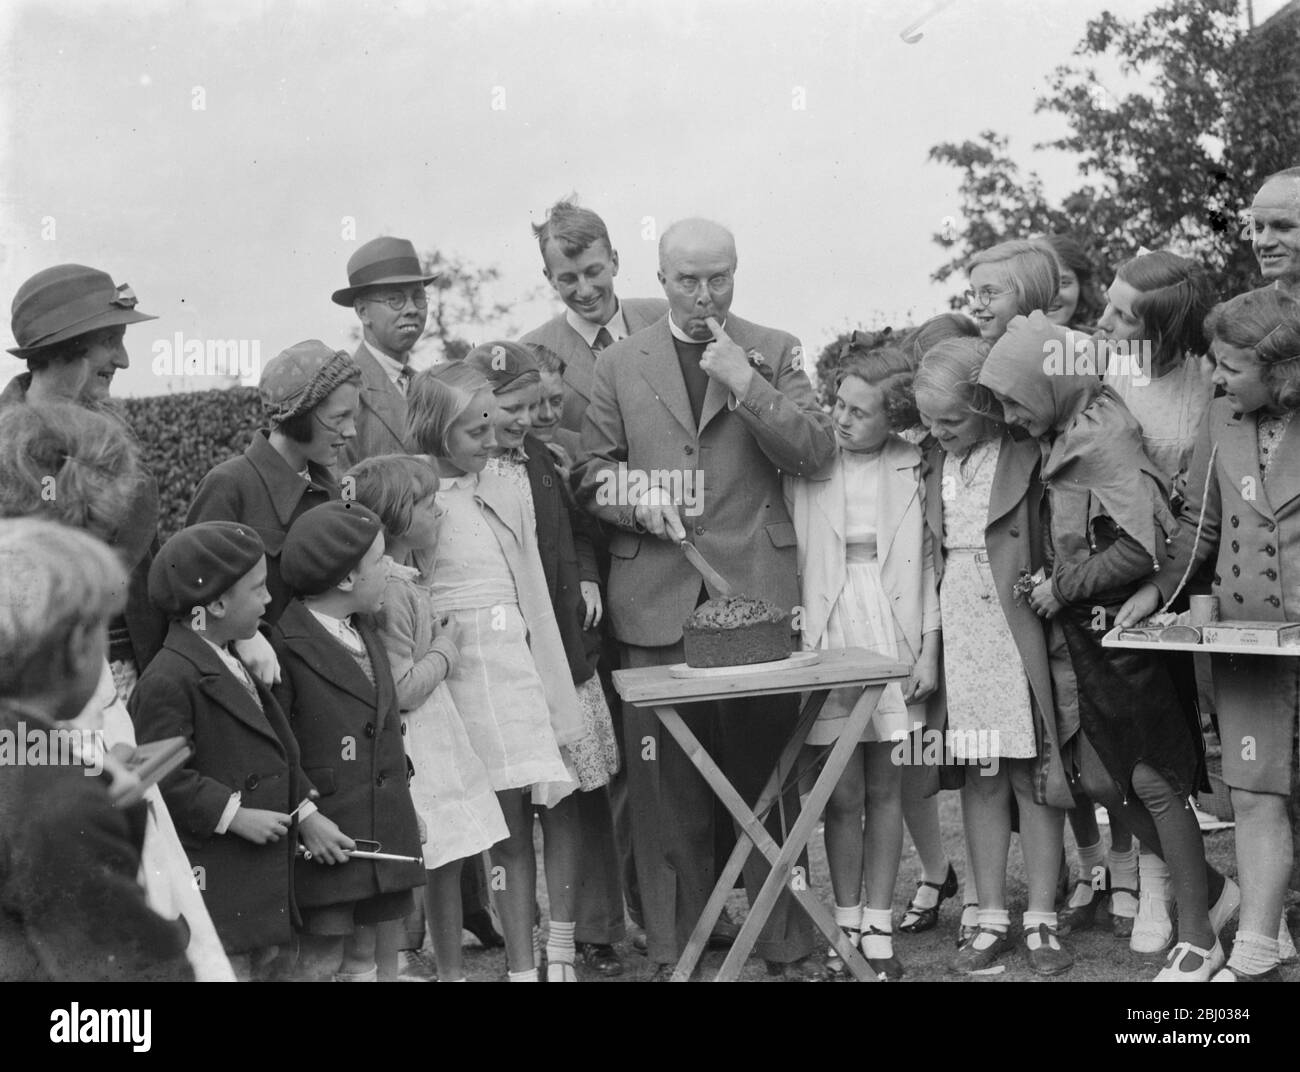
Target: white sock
[1153,876]
[991,919]
[559,943]
[1253,954]
[849,917]
[1032,921]
[528,975]
[1092,865]
[1124,875]
[878,946]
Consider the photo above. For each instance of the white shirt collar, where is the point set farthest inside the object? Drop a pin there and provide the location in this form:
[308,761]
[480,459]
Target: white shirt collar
[232,664]
[340,628]
[617,326]
[465,480]
[679,334]
[391,366]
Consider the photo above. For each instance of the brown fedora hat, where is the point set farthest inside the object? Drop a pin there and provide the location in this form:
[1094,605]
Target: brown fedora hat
[381,261]
[68,300]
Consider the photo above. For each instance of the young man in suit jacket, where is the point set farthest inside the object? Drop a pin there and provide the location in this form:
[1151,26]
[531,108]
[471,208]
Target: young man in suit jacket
[386,289]
[725,405]
[580,263]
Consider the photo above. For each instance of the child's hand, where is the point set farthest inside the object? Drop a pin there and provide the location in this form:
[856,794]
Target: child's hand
[258,656]
[424,829]
[591,597]
[1044,600]
[259,826]
[325,841]
[924,679]
[1139,606]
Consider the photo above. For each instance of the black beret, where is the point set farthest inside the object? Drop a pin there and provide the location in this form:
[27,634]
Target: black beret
[325,544]
[200,563]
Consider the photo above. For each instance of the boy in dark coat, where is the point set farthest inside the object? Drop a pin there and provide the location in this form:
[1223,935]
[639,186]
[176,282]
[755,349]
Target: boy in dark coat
[71,906]
[232,799]
[338,690]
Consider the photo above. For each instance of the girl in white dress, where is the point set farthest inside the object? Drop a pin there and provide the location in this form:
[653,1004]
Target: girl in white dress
[867,581]
[451,790]
[511,682]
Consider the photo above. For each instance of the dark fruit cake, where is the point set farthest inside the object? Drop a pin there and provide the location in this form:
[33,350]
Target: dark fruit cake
[736,631]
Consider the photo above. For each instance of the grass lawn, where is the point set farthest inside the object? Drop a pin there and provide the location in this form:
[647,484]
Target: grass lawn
[1099,957]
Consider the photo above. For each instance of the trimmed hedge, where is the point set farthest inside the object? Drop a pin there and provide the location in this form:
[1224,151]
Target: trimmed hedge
[182,436]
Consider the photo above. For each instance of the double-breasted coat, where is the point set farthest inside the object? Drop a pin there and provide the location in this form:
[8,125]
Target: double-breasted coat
[239,745]
[350,736]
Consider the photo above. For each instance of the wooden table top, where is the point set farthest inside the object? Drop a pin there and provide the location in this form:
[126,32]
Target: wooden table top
[648,686]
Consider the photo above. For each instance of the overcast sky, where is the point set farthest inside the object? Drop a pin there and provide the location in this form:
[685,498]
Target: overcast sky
[211,155]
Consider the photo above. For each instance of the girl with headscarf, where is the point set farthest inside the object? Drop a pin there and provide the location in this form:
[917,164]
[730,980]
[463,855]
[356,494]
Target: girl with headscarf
[511,683]
[1136,749]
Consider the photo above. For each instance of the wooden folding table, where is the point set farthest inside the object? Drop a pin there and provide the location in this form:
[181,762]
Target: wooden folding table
[656,687]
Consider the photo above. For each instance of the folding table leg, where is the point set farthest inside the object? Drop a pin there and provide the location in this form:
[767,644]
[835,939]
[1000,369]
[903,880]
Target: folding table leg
[795,842]
[740,853]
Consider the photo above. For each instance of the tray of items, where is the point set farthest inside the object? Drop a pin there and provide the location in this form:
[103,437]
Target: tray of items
[1199,629]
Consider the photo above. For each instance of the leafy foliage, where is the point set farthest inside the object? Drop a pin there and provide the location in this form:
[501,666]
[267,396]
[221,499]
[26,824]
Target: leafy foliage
[1170,166]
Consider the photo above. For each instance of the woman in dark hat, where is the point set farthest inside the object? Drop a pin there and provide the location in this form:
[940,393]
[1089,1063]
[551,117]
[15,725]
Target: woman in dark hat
[70,323]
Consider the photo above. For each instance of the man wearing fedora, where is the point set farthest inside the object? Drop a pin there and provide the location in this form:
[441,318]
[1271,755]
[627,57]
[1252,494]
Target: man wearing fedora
[70,325]
[386,289]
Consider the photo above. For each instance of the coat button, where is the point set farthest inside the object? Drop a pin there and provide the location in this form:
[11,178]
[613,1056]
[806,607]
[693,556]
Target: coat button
[1237,597]
[381,780]
[1271,574]
[1014,531]
[688,449]
[1270,550]
[1274,601]
[252,782]
[370,729]
[1236,571]
[1217,579]
[1269,525]
[403,729]
[546,480]
[1236,546]
[699,530]
[1235,520]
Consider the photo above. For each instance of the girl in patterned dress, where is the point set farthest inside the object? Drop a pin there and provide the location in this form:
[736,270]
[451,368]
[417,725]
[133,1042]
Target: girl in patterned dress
[510,683]
[593,758]
[989,641]
[451,789]
[867,580]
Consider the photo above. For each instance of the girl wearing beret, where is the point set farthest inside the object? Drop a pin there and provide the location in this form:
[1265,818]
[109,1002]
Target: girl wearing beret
[1137,747]
[996,654]
[511,683]
[1243,502]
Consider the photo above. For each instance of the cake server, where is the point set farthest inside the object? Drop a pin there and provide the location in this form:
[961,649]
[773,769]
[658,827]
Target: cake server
[706,571]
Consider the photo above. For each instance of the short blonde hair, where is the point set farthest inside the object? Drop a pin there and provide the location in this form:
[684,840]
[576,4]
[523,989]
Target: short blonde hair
[391,485]
[1029,268]
[437,398]
[53,579]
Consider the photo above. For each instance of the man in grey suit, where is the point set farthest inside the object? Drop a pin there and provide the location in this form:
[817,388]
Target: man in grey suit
[386,289]
[580,263]
[720,408]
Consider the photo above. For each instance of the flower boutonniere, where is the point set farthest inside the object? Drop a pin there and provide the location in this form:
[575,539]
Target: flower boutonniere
[759,363]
